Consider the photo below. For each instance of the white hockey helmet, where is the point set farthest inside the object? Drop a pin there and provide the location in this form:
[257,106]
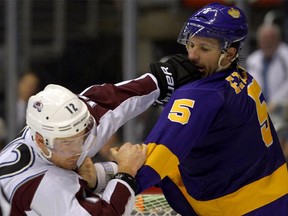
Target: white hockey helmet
[56,112]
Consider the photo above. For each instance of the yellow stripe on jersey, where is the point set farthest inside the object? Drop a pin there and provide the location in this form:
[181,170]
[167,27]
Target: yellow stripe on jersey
[163,160]
[244,200]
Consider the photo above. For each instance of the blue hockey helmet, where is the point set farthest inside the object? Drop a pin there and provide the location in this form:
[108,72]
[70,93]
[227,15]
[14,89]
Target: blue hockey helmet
[228,24]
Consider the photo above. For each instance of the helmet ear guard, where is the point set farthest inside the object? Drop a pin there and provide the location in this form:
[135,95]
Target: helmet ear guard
[225,23]
[56,112]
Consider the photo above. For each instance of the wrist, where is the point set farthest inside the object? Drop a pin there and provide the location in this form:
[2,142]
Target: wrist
[130,180]
[127,169]
[105,172]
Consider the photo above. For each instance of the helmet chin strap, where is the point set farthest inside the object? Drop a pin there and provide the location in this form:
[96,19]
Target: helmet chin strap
[49,153]
[220,68]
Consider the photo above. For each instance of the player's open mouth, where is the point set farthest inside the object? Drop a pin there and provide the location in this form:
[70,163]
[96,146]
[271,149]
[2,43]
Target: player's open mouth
[201,68]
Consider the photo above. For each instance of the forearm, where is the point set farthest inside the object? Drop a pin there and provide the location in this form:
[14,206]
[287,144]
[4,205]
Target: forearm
[114,105]
[102,98]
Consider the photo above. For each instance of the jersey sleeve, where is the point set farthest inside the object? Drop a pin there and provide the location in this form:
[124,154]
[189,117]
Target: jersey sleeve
[181,126]
[114,104]
[71,196]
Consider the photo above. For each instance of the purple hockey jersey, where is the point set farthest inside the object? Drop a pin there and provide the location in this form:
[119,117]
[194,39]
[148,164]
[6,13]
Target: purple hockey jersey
[214,150]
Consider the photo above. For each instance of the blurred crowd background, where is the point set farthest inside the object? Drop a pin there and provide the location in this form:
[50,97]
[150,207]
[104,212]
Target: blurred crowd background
[77,43]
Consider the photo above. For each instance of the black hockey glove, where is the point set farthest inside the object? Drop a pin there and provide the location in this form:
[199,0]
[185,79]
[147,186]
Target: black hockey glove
[176,71]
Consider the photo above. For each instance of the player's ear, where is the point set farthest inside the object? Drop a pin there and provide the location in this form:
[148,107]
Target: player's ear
[46,152]
[39,140]
[231,54]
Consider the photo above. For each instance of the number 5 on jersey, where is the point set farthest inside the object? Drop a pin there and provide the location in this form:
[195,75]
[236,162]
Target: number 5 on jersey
[254,91]
[180,111]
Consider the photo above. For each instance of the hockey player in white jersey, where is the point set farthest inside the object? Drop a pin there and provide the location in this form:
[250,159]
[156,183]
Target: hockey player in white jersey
[48,171]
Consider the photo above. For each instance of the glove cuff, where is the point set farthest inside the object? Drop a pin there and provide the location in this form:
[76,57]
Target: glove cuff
[105,171]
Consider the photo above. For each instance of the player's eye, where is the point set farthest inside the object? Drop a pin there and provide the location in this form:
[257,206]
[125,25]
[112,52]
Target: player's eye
[189,45]
[205,48]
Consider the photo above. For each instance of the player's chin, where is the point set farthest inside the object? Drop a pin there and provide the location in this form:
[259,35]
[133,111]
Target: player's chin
[70,164]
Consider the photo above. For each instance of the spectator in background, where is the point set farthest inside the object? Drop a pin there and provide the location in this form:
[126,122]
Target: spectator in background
[28,85]
[269,66]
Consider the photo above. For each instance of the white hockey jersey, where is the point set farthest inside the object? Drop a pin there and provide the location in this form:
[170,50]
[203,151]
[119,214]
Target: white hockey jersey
[34,186]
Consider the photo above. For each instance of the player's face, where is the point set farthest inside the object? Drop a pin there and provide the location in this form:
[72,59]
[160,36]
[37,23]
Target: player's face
[67,151]
[68,163]
[205,53]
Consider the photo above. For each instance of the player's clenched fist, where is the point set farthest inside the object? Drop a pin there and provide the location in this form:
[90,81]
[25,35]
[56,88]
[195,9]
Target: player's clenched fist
[130,157]
[88,172]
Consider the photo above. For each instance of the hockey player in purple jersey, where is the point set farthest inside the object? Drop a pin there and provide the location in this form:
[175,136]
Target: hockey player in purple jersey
[214,150]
